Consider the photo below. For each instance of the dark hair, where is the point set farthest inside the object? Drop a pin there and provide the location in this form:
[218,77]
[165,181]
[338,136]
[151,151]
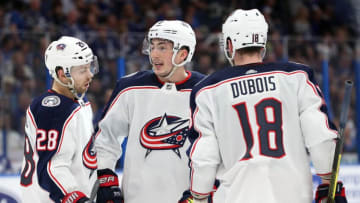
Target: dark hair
[57,69]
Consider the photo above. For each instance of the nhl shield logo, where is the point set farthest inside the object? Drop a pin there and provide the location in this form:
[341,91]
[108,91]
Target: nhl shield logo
[164,133]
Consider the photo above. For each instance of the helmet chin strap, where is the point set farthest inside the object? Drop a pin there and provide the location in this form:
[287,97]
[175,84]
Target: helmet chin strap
[230,58]
[175,65]
[71,87]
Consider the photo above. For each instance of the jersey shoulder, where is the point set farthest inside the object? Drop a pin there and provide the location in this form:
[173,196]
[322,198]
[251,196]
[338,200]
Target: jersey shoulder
[51,110]
[196,76]
[141,78]
[193,78]
[258,68]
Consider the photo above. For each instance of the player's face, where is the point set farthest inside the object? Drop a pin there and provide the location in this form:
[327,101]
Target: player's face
[161,52]
[82,76]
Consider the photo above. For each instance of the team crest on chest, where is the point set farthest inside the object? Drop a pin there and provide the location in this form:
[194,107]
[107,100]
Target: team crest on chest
[164,133]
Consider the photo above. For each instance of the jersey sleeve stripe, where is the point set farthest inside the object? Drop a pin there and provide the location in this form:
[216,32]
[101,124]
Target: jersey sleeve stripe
[60,144]
[31,117]
[200,135]
[65,125]
[55,180]
[324,174]
[312,85]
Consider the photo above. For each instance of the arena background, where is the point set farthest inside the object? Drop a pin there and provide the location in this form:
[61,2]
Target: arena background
[321,33]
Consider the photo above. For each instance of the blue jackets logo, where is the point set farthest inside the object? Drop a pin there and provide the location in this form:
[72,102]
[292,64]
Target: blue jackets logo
[164,133]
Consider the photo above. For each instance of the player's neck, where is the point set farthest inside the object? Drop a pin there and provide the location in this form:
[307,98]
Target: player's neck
[58,88]
[242,59]
[179,74]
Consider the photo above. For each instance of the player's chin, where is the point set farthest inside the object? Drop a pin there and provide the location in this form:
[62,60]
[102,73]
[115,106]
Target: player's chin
[82,90]
[161,72]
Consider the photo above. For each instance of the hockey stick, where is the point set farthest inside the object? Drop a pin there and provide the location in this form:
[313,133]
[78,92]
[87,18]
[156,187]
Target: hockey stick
[94,191]
[339,141]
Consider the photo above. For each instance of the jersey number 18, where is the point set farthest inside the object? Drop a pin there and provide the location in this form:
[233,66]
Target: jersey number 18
[268,128]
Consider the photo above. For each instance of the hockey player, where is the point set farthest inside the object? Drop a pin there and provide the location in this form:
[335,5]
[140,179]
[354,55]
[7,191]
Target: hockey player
[257,122]
[152,109]
[58,162]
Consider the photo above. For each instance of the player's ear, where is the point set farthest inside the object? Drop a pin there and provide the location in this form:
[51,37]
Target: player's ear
[229,46]
[60,73]
[184,52]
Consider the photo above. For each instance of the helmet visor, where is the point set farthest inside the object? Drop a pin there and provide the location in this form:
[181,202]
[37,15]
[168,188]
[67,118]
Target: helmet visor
[146,46]
[94,65]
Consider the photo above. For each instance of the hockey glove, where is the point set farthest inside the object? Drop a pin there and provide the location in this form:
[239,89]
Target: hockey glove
[109,190]
[188,198]
[75,197]
[322,193]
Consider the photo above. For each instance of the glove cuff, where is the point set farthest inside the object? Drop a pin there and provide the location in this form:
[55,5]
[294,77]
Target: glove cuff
[107,178]
[73,197]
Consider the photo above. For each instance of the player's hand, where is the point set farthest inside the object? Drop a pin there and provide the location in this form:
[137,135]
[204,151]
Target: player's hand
[322,193]
[75,197]
[109,190]
[188,198]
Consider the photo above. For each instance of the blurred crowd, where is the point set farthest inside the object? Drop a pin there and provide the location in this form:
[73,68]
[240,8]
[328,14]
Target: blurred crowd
[305,31]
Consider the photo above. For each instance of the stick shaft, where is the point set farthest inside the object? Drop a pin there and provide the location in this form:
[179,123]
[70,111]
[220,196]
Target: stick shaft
[94,191]
[339,141]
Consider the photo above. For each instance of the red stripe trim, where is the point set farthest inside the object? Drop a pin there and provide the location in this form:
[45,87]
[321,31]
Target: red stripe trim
[180,82]
[186,79]
[55,180]
[31,117]
[62,137]
[198,193]
[192,151]
[200,135]
[324,174]
[66,123]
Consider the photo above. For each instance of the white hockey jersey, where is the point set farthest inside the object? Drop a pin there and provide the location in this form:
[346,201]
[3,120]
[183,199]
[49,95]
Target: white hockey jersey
[155,117]
[255,124]
[57,152]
